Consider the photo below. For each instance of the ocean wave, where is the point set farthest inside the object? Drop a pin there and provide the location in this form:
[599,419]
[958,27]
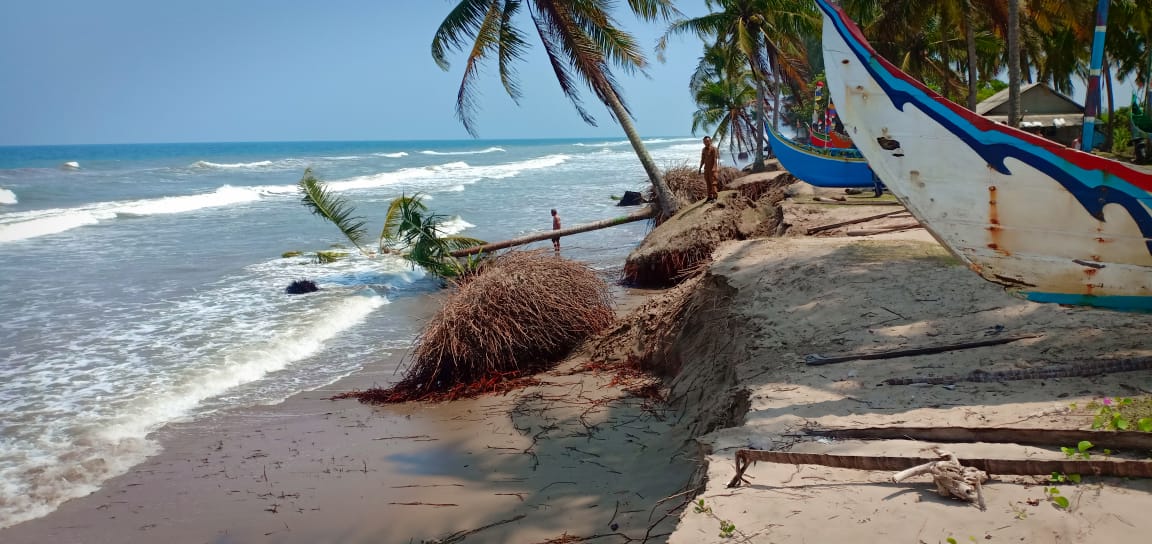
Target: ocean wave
[477,152]
[455,225]
[649,141]
[455,188]
[223,196]
[7,196]
[232,165]
[395,155]
[44,223]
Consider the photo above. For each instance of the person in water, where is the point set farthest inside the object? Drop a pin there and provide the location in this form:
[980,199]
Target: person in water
[709,157]
[556,226]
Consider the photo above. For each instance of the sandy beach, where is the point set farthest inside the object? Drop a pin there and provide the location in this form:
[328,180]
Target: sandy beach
[578,458]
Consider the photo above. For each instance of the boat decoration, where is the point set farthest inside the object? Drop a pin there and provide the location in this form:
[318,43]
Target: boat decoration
[1050,223]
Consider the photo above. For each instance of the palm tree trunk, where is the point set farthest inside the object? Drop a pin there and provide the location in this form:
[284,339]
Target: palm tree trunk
[640,215]
[970,39]
[668,202]
[1014,63]
[759,164]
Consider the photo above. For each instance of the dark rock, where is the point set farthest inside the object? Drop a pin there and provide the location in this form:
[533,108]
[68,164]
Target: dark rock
[300,287]
[631,198]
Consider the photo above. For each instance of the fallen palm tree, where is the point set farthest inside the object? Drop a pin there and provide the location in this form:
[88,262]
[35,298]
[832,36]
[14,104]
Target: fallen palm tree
[639,215]
[520,313]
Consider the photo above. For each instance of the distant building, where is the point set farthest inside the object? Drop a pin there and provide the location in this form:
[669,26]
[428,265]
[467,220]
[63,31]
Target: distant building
[1044,112]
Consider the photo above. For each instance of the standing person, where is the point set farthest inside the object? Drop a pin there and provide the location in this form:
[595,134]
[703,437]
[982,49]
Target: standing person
[556,226]
[709,156]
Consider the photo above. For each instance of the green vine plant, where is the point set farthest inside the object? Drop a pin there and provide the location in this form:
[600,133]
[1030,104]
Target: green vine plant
[1054,496]
[727,528]
[410,230]
[1121,413]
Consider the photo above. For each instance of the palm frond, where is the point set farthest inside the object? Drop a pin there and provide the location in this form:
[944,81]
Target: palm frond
[400,212]
[332,208]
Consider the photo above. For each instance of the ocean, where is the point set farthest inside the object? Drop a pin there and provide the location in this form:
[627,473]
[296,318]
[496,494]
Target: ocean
[144,284]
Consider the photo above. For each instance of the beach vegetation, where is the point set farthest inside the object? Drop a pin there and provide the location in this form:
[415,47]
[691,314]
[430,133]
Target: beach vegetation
[518,314]
[583,43]
[765,40]
[290,254]
[410,230]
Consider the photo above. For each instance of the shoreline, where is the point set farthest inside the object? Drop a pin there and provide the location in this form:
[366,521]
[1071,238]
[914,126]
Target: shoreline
[556,459]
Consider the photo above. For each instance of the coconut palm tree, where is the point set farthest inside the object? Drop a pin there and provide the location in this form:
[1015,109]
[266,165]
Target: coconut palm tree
[768,34]
[582,42]
[409,229]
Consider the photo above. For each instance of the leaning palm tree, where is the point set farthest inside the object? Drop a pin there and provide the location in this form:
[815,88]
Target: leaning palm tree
[409,229]
[582,41]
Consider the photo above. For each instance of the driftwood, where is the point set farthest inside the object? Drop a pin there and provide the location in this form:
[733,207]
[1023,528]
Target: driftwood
[1116,440]
[1088,368]
[639,215]
[894,228]
[1096,467]
[816,360]
[951,478]
[831,226]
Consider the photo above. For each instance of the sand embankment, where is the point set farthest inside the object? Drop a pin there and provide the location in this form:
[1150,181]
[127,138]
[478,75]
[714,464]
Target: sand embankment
[774,301]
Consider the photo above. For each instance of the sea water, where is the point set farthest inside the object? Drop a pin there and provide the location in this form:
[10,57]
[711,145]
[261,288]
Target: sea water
[144,284]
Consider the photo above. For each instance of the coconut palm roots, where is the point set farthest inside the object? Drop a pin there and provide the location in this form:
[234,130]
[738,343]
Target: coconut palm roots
[521,312]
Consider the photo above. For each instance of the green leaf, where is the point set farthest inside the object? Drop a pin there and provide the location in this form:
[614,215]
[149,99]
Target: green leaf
[1145,424]
[331,208]
[1074,478]
[1061,502]
[1084,446]
[1120,422]
[1068,451]
[951,540]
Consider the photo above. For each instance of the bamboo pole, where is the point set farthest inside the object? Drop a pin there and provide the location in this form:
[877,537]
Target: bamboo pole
[646,213]
[831,226]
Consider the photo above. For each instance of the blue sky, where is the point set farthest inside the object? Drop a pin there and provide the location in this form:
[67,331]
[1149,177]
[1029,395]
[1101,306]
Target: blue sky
[254,70]
[129,71]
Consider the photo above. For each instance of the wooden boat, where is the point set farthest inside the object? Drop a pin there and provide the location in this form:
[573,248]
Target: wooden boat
[821,167]
[831,139]
[1050,223]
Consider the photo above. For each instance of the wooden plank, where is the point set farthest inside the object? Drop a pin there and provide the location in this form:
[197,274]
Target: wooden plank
[823,228]
[817,360]
[1114,440]
[1092,467]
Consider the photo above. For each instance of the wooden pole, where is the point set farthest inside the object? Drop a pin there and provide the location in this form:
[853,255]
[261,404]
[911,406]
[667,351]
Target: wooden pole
[646,213]
[823,228]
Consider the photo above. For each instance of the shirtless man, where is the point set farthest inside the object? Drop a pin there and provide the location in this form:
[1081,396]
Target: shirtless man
[556,226]
[709,156]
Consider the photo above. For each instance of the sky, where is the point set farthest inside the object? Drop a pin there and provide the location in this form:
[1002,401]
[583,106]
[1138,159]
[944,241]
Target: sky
[145,71]
[141,71]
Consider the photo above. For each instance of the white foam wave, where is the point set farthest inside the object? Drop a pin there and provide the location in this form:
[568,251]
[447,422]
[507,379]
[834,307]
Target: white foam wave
[232,165]
[626,142]
[241,365]
[7,196]
[43,224]
[396,155]
[476,152]
[455,188]
[223,196]
[455,225]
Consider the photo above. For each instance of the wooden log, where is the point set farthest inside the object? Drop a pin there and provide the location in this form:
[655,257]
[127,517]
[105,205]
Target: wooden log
[823,228]
[894,228]
[817,360]
[639,215]
[1114,440]
[1095,467]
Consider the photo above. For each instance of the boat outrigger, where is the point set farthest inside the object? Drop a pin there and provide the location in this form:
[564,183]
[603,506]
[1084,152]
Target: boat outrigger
[1050,223]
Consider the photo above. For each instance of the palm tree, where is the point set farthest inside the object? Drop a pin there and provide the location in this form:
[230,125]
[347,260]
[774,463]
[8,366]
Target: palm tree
[723,109]
[582,41]
[768,34]
[408,229]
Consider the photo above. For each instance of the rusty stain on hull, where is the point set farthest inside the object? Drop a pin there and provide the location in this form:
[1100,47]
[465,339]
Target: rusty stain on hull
[994,227]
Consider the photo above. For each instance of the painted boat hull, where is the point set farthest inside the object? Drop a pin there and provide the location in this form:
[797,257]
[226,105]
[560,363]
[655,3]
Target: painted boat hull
[1049,223]
[819,169]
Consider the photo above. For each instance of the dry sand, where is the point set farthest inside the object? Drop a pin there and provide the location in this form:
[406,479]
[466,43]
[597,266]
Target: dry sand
[785,298]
